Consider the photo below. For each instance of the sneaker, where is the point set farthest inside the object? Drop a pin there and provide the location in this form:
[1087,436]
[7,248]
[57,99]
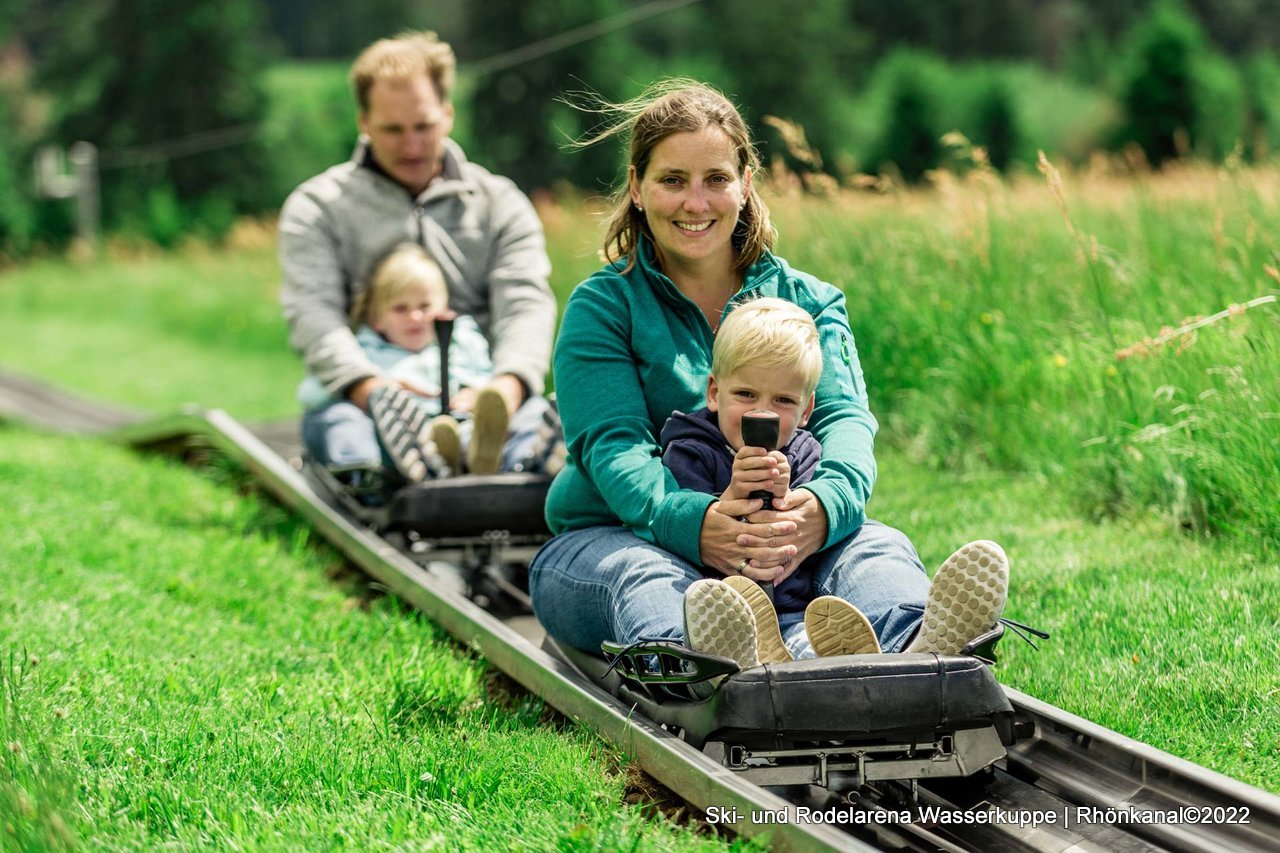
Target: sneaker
[443,430]
[401,425]
[836,627]
[769,643]
[718,621]
[548,452]
[489,432]
[966,598]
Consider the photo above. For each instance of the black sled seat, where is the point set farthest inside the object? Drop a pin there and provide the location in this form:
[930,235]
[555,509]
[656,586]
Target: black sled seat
[900,716]
[852,697]
[471,506]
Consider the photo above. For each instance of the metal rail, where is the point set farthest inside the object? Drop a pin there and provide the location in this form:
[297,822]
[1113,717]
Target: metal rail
[1066,765]
[689,773]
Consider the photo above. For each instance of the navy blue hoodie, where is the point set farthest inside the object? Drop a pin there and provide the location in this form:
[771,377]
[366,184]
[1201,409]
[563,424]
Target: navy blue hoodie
[695,451]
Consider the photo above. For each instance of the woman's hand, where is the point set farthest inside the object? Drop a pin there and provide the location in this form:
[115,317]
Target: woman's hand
[722,531]
[798,521]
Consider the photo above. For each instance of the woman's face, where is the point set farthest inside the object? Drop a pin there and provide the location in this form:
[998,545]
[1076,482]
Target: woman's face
[691,194]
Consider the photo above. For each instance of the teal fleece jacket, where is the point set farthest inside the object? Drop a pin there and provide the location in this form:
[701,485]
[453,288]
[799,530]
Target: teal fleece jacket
[632,349]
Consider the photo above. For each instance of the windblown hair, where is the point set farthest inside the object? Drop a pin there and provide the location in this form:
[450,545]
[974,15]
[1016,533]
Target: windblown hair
[405,267]
[404,56]
[768,332]
[668,107]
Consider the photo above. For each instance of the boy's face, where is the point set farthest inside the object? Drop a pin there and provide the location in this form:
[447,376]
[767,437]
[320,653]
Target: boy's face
[772,389]
[409,321]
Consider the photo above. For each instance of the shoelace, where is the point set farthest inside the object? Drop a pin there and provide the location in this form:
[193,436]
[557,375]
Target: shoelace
[626,650]
[1019,628]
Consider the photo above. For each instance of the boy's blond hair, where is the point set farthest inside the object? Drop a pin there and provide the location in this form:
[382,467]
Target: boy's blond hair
[768,332]
[406,55]
[404,267]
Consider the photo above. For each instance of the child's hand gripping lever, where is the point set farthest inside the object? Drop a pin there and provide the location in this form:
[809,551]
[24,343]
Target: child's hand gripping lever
[760,429]
[444,334]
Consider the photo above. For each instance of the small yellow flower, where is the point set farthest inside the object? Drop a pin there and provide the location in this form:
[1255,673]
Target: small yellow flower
[1111,370]
[986,318]
[1059,360]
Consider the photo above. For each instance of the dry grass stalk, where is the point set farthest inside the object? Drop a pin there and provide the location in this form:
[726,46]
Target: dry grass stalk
[1185,334]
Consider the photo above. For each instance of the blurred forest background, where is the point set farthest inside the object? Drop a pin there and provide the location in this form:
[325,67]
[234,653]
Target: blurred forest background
[209,110]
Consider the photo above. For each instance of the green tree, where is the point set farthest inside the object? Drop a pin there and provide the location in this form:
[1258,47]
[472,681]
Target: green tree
[795,61]
[995,124]
[910,139]
[1159,94]
[16,217]
[519,127]
[171,95]
[1262,105]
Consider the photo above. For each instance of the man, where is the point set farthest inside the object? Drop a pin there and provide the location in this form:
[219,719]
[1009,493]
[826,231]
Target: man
[408,181]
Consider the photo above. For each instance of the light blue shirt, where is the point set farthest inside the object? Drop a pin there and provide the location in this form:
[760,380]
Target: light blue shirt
[469,364]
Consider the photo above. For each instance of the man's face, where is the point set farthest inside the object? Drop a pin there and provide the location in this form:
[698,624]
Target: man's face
[407,124]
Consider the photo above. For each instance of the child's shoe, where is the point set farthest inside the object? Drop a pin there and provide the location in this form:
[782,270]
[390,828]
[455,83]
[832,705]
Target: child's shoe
[443,430]
[401,426]
[489,432]
[966,598]
[718,621]
[769,644]
[836,627]
[549,452]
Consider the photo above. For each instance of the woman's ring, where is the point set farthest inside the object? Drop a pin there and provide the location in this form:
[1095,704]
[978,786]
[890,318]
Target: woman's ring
[742,567]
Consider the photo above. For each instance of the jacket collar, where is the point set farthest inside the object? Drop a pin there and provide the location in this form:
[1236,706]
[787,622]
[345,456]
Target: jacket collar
[451,180]
[759,274]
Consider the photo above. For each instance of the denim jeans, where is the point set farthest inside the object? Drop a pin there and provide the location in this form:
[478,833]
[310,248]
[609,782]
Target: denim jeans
[342,433]
[605,583]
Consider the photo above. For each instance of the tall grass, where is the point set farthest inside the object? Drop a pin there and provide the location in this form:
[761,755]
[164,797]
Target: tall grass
[1052,326]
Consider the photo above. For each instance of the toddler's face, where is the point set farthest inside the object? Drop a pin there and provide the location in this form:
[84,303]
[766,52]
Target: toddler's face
[409,320]
[773,389]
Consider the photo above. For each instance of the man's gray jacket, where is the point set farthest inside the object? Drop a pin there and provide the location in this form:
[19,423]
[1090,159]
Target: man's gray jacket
[479,227]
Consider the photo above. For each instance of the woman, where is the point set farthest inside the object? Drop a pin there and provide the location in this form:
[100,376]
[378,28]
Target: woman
[688,240]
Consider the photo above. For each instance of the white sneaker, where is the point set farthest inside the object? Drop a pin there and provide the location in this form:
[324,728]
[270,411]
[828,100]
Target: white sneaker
[836,627]
[966,597]
[719,621]
[769,643]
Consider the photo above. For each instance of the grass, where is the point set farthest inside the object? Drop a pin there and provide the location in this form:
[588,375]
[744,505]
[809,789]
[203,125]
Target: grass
[1165,638]
[181,663]
[989,339]
[996,332]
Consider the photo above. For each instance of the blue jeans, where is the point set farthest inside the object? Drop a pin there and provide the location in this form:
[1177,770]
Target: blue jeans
[605,583]
[342,433]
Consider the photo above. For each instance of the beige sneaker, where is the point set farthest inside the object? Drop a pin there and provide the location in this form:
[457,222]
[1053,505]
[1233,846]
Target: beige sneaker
[489,432]
[769,641]
[718,621]
[966,597]
[443,430]
[836,627]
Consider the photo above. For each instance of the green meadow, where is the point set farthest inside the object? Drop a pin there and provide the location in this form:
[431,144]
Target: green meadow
[184,663]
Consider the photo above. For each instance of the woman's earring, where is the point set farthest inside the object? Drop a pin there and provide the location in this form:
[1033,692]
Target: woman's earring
[639,209]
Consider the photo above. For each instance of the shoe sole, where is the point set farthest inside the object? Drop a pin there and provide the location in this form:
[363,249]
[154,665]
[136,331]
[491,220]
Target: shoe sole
[770,646]
[489,432]
[719,621]
[444,433]
[400,422]
[966,597]
[836,627]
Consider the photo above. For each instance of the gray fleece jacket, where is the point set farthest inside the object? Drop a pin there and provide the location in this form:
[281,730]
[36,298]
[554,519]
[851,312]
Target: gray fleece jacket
[479,227]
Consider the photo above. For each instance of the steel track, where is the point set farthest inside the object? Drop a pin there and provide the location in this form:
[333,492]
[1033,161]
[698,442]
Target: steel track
[1067,764]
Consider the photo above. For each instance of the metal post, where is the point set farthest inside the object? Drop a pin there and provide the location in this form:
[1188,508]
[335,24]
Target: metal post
[84,166]
[52,181]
